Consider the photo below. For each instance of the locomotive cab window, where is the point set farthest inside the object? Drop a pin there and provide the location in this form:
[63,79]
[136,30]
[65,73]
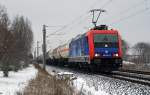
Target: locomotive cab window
[105,38]
[101,39]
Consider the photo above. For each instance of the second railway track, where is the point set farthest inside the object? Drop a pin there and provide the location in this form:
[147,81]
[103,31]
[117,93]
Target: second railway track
[136,77]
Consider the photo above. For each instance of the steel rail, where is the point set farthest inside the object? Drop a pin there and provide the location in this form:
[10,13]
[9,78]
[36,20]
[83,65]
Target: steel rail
[143,79]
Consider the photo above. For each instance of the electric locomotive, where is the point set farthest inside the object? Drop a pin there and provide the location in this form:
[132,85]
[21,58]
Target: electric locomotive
[98,48]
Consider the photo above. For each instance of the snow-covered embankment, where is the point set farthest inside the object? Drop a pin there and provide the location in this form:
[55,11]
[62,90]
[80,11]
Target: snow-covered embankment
[79,84]
[16,81]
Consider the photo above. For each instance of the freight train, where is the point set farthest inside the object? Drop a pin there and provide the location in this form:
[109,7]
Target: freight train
[98,49]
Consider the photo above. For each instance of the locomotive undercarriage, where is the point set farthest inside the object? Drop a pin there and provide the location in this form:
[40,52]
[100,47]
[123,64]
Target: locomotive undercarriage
[106,64]
[100,65]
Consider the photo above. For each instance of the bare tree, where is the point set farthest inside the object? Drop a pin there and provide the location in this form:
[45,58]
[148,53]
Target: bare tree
[15,42]
[6,42]
[142,48]
[24,37]
[125,47]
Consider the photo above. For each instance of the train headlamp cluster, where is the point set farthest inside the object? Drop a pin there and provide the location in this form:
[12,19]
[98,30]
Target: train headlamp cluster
[97,55]
[116,55]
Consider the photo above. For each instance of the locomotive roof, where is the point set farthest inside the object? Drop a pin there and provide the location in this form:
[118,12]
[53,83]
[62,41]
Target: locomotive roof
[112,31]
[104,31]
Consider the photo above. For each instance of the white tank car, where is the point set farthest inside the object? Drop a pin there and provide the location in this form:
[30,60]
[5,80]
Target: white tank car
[61,51]
[55,53]
[64,50]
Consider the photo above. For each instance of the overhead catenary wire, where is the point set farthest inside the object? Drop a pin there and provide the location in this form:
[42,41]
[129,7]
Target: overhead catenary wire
[125,11]
[131,15]
[135,13]
[54,32]
[77,21]
[104,5]
[80,17]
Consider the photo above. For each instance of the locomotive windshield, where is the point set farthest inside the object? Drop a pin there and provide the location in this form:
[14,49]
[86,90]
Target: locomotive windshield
[105,38]
[100,40]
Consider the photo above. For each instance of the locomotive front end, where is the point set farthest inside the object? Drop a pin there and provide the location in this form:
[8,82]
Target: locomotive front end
[105,49]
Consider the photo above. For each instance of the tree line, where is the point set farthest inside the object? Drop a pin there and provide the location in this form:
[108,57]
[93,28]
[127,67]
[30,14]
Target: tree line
[139,52]
[16,38]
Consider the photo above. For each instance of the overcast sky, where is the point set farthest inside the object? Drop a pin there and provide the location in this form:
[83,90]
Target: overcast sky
[130,17]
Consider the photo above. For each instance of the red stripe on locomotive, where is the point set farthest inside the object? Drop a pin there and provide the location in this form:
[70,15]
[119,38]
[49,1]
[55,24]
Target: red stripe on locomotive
[90,35]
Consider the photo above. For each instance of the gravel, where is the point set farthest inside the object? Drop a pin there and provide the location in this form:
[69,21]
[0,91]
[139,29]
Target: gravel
[109,85]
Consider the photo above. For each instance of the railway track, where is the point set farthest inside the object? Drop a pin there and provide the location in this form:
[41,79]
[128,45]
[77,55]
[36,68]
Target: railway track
[134,71]
[132,76]
[138,77]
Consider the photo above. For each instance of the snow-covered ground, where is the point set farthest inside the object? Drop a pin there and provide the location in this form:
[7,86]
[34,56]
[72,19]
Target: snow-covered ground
[16,81]
[93,84]
[81,86]
[128,63]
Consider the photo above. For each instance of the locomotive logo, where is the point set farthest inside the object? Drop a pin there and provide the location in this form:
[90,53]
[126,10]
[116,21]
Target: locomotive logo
[106,51]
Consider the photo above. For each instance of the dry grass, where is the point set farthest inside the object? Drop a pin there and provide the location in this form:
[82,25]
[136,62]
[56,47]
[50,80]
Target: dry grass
[45,84]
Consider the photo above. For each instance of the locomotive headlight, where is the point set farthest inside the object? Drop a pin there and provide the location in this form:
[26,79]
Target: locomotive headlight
[96,55]
[116,55]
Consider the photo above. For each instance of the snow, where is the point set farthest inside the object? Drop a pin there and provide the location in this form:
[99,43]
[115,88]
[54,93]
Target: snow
[16,81]
[128,63]
[96,84]
[65,73]
[81,86]
[79,83]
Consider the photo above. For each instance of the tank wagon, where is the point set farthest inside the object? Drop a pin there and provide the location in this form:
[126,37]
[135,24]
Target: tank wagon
[99,48]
